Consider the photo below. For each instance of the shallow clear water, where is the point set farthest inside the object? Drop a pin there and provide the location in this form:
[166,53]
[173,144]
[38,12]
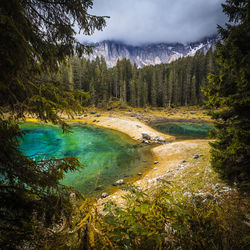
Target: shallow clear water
[106,155]
[184,130]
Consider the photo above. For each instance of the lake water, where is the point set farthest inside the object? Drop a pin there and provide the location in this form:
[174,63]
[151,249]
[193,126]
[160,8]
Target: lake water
[184,130]
[106,155]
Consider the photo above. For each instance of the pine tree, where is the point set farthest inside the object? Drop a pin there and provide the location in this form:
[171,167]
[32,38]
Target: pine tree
[92,92]
[139,92]
[165,92]
[145,94]
[133,87]
[170,87]
[154,89]
[77,73]
[123,95]
[104,81]
[230,91]
[193,91]
[35,37]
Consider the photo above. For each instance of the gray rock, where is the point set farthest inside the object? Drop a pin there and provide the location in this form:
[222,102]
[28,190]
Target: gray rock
[138,126]
[159,139]
[92,112]
[145,141]
[184,161]
[85,115]
[104,195]
[192,112]
[156,162]
[216,186]
[72,196]
[182,167]
[146,136]
[98,115]
[196,156]
[94,120]
[139,174]
[119,182]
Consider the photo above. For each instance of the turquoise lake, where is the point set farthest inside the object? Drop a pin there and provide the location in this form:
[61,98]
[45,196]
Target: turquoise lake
[106,155]
[184,130]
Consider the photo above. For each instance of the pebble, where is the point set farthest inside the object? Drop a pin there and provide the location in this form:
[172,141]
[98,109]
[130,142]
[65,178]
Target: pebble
[119,182]
[104,195]
[195,156]
[156,162]
[182,166]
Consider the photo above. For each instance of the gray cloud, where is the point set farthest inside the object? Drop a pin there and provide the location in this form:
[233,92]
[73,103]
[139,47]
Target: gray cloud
[143,21]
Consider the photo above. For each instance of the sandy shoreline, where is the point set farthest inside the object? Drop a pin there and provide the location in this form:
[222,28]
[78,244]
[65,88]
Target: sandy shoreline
[129,126]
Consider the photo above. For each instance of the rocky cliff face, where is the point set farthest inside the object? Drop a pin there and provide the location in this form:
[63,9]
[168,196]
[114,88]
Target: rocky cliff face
[150,54]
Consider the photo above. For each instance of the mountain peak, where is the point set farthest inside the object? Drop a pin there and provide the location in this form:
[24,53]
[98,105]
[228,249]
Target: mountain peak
[149,54]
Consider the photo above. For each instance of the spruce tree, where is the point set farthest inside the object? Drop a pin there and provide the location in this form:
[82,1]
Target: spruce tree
[154,89]
[230,92]
[133,87]
[35,38]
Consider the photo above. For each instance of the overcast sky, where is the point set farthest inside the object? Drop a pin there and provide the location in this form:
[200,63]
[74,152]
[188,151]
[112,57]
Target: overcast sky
[145,21]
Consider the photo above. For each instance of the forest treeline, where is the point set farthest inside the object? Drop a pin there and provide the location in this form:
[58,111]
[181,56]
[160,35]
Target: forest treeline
[177,83]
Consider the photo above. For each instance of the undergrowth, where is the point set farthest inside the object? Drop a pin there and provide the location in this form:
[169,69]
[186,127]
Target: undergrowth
[162,219]
[169,220]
